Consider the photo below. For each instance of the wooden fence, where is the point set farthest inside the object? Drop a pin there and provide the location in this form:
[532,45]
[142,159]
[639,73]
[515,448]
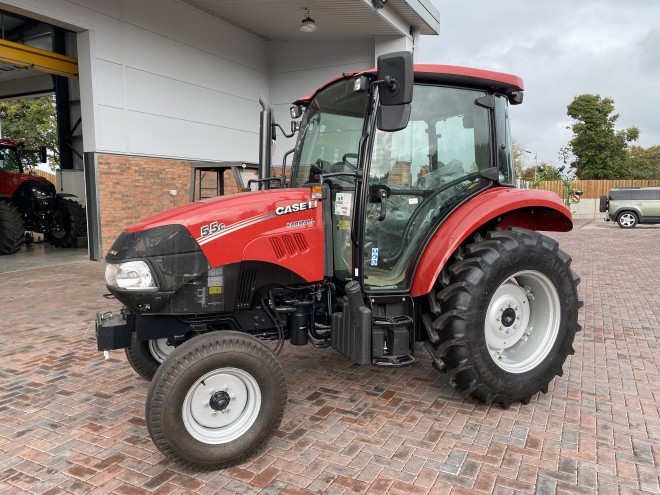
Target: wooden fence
[46,175]
[594,188]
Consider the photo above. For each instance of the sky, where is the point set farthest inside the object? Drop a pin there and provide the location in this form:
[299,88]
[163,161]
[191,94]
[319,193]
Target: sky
[561,49]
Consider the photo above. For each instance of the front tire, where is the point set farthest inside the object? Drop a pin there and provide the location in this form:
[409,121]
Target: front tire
[146,356]
[216,400]
[12,229]
[69,217]
[627,220]
[505,317]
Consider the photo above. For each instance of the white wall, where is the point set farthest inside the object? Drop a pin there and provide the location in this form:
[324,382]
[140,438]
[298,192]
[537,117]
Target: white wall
[160,78]
[298,69]
[166,80]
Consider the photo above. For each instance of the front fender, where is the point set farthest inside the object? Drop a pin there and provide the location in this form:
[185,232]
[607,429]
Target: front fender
[502,207]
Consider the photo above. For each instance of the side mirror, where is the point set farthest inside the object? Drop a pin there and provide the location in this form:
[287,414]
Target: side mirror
[43,155]
[395,78]
[396,70]
[578,193]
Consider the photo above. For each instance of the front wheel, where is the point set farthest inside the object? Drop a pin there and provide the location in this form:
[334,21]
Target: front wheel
[67,225]
[216,400]
[505,317]
[627,220]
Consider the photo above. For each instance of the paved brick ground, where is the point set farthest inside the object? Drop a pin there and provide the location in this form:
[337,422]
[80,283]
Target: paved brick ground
[71,422]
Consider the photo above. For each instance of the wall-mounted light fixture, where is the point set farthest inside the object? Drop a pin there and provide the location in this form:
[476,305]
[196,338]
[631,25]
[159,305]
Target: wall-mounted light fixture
[378,4]
[308,25]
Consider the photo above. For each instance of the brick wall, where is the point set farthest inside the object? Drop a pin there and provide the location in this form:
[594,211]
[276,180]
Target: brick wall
[132,188]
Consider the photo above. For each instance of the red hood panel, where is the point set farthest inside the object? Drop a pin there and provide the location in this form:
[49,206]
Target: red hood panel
[10,181]
[281,226]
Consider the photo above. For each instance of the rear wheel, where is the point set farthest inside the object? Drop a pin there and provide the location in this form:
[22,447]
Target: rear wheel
[145,356]
[505,317]
[12,229]
[216,400]
[627,220]
[68,224]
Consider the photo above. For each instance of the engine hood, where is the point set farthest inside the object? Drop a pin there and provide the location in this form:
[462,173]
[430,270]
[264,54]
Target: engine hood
[234,228]
[10,181]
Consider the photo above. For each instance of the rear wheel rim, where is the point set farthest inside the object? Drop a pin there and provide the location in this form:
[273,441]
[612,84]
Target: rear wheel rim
[522,321]
[627,220]
[221,406]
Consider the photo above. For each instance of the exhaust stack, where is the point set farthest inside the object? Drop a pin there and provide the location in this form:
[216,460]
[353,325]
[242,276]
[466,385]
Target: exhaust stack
[265,140]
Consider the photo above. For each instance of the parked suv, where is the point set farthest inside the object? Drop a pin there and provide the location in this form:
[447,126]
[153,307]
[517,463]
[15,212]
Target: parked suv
[632,205]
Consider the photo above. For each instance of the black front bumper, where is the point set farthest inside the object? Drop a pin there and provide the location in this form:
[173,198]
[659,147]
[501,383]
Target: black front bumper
[114,331]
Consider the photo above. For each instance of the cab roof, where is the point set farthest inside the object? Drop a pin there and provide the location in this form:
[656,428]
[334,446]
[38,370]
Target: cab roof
[446,74]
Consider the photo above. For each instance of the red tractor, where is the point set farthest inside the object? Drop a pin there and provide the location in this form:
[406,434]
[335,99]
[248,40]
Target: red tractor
[398,224]
[29,203]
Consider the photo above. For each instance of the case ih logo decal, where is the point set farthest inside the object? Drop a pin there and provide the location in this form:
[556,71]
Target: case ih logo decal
[284,210]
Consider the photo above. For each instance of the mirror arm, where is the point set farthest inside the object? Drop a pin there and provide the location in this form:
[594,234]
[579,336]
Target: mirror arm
[282,130]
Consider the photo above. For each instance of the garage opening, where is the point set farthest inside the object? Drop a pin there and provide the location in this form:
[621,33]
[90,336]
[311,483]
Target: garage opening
[40,130]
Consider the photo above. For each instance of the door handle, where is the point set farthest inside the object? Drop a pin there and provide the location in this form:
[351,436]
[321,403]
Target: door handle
[382,194]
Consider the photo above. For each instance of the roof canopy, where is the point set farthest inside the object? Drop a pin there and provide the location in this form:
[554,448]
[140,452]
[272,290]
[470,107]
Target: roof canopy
[279,20]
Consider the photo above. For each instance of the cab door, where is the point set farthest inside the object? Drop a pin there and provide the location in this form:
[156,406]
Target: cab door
[417,176]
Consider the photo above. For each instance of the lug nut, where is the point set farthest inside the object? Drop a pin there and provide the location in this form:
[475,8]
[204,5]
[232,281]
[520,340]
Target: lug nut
[211,391]
[205,404]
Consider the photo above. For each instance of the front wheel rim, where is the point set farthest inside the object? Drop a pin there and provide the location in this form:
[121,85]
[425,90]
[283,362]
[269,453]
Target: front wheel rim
[221,406]
[160,349]
[522,321]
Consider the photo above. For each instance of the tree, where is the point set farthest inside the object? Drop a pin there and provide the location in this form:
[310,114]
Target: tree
[599,151]
[517,152]
[645,162]
[33,121]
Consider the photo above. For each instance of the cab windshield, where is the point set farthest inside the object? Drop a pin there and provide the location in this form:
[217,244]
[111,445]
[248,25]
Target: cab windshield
[10,160]
[330,133]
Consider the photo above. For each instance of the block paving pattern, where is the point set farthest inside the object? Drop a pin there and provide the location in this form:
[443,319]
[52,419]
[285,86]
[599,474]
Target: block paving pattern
[72,422]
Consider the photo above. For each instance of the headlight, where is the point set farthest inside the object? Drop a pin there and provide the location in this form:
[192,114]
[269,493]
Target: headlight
[131,275]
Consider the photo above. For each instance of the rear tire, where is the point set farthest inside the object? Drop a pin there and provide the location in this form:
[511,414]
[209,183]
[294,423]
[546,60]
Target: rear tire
[505,317]
[216,401]
[72,218]
[146,356]
[12,229]
[627,220]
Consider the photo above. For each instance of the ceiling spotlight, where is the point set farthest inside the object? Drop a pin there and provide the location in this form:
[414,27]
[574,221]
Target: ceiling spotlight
[378,4]
[308,25]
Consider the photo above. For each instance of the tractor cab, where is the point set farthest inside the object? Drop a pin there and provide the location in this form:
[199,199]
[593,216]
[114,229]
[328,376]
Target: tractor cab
[10,159]
[390,189]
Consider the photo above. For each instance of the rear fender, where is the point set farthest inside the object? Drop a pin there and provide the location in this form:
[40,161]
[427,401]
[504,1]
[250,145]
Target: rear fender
[498,207]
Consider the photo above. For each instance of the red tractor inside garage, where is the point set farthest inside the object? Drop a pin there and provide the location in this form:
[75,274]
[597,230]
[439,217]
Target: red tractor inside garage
[29,203]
